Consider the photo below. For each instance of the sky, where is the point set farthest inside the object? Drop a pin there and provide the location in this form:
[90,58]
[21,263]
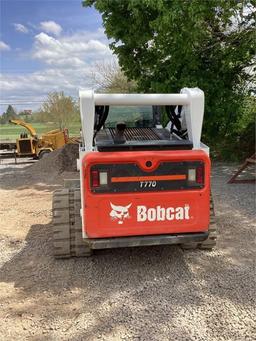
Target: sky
[49,45]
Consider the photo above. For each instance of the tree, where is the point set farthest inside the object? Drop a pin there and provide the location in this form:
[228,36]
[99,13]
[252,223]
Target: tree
[10,112]
[59,109]
[26,115]
[108,77]
[167,45]
[8,115]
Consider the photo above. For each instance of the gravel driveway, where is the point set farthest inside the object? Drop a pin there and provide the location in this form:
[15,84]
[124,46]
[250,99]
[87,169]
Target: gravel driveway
[152,293]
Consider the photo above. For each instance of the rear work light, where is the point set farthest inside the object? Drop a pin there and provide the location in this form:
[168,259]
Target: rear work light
[196,175]
[103,178]
[192,175]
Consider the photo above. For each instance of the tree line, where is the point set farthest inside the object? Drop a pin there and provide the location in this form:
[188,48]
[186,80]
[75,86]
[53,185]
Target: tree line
[164,46]
[58,109]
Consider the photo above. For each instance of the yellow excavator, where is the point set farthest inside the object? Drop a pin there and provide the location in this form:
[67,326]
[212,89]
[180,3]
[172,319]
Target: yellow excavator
[38,147]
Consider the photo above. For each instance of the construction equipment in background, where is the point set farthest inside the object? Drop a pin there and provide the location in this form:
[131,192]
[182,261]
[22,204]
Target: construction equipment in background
[142,185]
[38,147]
[235,178]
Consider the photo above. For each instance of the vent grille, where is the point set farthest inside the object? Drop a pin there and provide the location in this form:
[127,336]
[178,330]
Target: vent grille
[138,134]
[25,146]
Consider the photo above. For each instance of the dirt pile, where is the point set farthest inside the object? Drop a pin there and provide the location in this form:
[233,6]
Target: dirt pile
[58,161]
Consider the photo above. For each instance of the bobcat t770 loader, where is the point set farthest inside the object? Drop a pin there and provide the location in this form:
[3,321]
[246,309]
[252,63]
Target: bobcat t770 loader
[140,184]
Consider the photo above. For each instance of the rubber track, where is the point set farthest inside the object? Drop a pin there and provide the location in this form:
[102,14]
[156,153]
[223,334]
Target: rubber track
[67,225]
[210,242]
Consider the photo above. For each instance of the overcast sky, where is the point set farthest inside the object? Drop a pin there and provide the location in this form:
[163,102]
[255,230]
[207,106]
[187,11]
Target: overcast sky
[45,46]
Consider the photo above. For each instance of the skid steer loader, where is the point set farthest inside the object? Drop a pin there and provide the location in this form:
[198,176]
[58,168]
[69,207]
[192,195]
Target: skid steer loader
[140,184]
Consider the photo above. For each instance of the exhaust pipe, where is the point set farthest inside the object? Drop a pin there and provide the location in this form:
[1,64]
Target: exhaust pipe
[119,137]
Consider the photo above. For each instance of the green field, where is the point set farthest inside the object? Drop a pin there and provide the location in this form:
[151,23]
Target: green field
[11,131]
[129,115]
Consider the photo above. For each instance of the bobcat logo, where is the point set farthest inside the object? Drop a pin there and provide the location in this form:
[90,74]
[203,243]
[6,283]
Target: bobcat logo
[119,213]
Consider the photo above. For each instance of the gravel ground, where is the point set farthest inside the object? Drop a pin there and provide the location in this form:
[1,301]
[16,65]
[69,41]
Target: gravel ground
[152,293]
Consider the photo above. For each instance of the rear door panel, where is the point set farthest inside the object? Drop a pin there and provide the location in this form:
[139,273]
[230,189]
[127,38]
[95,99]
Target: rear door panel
[170,207]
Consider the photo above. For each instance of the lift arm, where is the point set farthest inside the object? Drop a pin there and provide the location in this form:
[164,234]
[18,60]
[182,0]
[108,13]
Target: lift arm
[29,127]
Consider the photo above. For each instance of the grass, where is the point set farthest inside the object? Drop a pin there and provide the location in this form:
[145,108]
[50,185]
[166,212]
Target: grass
[128,114]
[11,131]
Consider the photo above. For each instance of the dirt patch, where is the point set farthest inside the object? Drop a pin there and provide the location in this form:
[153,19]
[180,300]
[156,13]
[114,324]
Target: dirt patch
[58,161]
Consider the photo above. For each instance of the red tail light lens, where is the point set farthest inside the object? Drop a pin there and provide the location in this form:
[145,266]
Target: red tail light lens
[95,178]
[200,175]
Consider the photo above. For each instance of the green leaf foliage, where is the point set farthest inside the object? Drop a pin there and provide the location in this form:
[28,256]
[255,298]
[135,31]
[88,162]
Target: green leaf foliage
[8,115]
[166,45]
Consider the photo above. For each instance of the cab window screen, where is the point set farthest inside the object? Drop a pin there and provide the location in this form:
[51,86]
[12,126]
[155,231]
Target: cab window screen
[133,117]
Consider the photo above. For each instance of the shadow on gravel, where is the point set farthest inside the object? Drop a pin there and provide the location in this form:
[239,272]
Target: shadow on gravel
[115,287]
[120,284]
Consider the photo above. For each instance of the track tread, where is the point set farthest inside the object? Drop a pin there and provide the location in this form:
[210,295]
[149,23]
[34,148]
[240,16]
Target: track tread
[67,225]
[210,242]
[81,248]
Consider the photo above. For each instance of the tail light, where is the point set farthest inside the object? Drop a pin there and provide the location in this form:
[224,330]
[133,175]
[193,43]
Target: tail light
[95,178]
[99,178]
[200,174]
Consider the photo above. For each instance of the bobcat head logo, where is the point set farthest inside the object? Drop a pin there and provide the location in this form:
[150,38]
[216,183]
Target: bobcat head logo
[119,213]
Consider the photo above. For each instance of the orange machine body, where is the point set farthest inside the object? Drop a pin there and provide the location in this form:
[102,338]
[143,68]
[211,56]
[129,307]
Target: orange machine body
[154,198]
